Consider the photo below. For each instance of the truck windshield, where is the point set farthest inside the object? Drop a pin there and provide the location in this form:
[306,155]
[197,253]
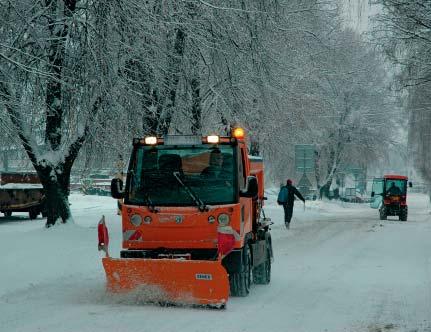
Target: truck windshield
[395,187]
[208,171]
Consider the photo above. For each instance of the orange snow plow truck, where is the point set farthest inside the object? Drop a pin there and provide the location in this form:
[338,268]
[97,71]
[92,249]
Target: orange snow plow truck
[194,230]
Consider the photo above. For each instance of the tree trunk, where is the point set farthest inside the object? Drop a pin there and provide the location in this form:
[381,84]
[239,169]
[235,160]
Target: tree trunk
[254,147]
[172,79]
[196,107]
[57,202]
[6,160]
[324,190]
[333,163]
[56,56]
[317,170]
[56,181]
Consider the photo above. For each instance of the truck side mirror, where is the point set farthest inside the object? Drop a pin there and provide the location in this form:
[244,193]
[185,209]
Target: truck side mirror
[410,184]
[251,189]
[372,194]
[117,188]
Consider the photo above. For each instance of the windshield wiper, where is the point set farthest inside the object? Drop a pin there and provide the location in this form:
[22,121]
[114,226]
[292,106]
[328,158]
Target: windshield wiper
[150,203]
[200,204]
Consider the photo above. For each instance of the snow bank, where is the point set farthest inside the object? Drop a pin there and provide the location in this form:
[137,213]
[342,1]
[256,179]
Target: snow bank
[21,186]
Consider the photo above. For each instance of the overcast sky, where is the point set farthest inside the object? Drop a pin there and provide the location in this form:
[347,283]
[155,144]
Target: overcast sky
[357,13]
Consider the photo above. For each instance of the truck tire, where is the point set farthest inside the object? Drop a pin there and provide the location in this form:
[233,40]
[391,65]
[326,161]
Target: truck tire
[382,213]
[403,215]
[240,282]
[8,213]
[262,272]
[33,214]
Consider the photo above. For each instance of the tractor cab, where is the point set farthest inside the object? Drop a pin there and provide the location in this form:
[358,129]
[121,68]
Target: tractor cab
[389,195]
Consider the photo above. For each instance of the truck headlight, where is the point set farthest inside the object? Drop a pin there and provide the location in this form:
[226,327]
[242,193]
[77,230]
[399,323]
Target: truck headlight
[223,219]
[151,140]
[136,220]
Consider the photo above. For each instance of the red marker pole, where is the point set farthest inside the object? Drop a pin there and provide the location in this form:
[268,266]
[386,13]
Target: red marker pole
[102,232]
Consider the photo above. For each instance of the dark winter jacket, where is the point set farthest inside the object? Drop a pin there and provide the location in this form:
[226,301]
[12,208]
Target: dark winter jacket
[292,191]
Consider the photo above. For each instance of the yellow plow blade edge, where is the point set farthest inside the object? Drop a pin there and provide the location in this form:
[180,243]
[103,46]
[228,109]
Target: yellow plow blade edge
[171,280]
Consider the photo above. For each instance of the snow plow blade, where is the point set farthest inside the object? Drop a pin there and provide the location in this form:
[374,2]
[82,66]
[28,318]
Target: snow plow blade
[169,280]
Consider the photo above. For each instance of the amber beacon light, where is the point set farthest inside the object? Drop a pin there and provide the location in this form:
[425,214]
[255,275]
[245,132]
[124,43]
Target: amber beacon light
[238,133]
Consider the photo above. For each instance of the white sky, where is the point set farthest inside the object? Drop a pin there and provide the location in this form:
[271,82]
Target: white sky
[357,13]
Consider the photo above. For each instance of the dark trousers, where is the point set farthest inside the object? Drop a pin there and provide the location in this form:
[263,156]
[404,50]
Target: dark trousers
[288,211]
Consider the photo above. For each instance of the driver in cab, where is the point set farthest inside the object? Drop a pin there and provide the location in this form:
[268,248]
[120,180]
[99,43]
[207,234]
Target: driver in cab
[219,168]
[214,168]
[393,190]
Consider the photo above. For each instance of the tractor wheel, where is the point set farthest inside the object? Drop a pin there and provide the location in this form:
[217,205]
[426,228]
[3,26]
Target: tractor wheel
[33,214]
[403,215]
[262,272]
[383,215]
[8,214]
[240,282]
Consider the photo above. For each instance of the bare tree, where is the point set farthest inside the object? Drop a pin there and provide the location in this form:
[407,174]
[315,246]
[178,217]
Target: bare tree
[404,32]
[53,70]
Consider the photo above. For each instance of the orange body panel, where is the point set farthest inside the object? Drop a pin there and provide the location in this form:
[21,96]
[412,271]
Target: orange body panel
[246,221]
[256,169]
[182,227]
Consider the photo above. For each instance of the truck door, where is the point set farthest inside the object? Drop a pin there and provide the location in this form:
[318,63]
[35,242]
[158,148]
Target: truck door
[377,189]
[246,203]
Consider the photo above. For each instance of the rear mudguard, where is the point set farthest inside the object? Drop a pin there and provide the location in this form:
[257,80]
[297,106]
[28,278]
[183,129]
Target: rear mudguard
[169,280]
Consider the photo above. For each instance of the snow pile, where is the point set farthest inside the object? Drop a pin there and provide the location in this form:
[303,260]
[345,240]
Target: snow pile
[21,186]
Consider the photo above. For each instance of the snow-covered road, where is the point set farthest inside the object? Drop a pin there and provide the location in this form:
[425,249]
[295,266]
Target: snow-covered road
[338,269]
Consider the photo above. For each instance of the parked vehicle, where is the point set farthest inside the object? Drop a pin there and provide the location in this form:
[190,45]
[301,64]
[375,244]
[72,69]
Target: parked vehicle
[311,195]
[352,195]
[193,220]
[21,192]
[96,184]
[389,195]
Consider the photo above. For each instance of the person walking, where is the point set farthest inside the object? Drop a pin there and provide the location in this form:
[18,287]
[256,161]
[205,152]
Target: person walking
[286,197]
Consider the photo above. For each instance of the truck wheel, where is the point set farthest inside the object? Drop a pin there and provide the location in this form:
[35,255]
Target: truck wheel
[262,272]
[8,214]
[33,214]
[403,215]
[240,282]
[383,215]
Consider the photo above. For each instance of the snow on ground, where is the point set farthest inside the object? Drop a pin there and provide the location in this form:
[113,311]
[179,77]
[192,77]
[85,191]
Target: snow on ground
[337,269]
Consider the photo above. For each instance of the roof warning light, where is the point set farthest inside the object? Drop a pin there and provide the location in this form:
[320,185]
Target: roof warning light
[238,133]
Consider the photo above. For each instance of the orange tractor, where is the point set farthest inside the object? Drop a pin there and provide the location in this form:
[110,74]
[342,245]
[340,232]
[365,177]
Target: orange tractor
[194,229]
